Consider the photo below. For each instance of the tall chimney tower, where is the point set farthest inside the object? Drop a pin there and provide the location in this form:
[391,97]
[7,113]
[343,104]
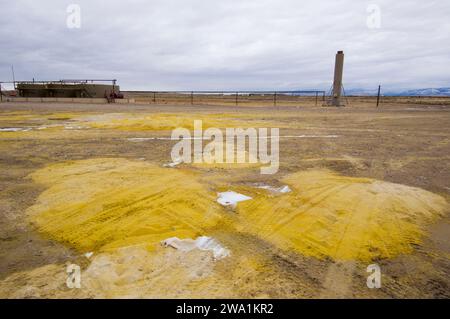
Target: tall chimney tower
[337,84]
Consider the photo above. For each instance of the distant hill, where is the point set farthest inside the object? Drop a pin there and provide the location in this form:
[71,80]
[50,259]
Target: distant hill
[423,92]
[416,92]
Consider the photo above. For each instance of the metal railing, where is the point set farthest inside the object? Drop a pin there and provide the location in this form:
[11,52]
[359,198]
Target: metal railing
[227,97]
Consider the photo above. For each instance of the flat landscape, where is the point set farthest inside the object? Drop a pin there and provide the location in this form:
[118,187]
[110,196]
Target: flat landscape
[90,185]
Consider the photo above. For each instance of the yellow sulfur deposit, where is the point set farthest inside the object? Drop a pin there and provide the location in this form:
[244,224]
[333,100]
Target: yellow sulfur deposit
[163,121]
[100,204]
[345,218]
[105,203]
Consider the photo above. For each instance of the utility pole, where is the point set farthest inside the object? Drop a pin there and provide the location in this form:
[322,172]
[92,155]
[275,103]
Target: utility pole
[378,96]
[13,76]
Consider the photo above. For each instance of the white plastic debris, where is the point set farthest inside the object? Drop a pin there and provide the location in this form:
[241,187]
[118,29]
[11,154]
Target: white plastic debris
[88,254]
[44,127]
[15,129]
[140,139]
[169,138]
[282,189]
[202,243]
[231,198]
[176,162]
[74,127]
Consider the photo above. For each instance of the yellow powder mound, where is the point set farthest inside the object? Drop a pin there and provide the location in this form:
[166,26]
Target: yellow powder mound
[17,116]
[106,203]
[163,122]
[211,160]
[21,116]
[101,204]
[327,215]
[133,272]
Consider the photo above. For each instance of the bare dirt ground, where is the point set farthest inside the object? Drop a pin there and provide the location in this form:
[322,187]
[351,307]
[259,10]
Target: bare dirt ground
[402,143]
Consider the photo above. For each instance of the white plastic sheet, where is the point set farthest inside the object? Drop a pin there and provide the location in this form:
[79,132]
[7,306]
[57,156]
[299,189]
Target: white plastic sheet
[202,243]
[15,129]
[176,162]
[283,189]
[231,198]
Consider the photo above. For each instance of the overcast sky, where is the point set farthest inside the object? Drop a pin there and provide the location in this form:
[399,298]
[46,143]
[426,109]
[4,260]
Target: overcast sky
[229,44]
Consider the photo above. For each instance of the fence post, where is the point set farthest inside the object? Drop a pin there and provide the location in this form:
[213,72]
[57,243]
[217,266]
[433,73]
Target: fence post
[192,98]
[275,99]
[236,98]
[378,96]
[317,96]
[154,97]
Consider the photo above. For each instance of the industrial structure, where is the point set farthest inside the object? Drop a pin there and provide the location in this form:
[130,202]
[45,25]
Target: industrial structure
[97,89]
[337,83]
[68,89]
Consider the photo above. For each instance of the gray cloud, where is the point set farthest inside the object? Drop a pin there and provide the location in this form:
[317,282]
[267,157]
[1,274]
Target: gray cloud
[258,44]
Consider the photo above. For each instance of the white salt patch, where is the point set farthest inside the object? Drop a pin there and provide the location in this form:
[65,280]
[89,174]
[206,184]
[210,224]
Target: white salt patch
[231,198]
[202,243]
[89,254]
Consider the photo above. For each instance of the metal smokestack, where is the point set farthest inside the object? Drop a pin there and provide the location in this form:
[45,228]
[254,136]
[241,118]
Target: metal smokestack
[337,84]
